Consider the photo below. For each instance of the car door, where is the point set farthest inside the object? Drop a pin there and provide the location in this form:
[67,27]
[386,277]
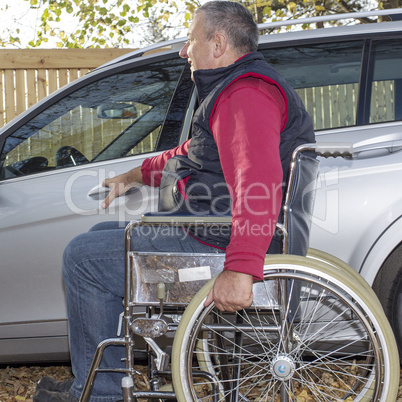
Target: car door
[352,88]
[52,163]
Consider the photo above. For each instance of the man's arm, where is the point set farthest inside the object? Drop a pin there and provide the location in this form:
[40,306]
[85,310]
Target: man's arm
[246,126]
[149,173]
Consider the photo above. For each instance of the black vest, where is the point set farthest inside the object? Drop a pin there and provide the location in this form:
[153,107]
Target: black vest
[206,189]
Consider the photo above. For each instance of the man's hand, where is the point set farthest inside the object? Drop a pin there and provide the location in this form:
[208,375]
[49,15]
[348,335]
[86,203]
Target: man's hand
[232,291]
[121,184]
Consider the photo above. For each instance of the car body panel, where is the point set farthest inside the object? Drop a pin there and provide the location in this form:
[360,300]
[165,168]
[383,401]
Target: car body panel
[42,231]
[70,211]
[334,222]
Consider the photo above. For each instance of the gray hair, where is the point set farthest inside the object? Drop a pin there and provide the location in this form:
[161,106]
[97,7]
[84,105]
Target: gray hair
[234,20]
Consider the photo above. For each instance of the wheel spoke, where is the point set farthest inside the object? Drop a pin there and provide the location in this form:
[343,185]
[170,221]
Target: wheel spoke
[322,344]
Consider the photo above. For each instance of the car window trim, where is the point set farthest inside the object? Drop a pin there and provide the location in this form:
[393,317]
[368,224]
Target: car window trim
[178,88]
[90,165]
[366,79]
[75,85]
[366,66]
[394,32]
[185,132]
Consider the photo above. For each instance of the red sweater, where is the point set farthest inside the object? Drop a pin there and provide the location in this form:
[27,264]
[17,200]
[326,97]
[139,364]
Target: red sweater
[246,125]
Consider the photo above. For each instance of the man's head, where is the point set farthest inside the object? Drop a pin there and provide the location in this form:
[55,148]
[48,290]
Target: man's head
[221,32]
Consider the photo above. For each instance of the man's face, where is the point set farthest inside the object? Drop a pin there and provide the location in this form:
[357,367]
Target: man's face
[198,51]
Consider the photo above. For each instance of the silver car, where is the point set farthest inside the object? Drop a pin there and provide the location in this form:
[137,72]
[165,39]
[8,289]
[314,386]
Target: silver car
[55,156]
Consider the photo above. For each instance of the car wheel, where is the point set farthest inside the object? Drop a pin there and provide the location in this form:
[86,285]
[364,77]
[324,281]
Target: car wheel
[388,287]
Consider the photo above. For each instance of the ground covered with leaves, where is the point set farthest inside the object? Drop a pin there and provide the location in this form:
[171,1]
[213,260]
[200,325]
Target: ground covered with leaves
[18,383]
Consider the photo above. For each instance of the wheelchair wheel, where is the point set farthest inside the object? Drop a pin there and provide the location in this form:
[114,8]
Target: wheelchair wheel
[338,264]
[327,340]
[347,269]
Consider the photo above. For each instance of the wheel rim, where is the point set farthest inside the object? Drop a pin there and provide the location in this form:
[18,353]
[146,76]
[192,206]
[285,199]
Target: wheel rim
[331,373]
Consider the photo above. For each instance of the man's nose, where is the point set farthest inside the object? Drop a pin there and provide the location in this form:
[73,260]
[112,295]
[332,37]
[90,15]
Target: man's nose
[183,51]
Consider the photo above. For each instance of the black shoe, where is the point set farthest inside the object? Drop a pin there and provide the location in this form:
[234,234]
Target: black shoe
[43,395]
[51,384]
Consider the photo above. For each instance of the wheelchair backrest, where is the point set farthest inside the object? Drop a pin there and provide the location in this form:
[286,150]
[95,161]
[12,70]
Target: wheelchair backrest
[299,201]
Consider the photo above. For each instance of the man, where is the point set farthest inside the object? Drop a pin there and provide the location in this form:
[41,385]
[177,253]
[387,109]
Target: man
[247,124]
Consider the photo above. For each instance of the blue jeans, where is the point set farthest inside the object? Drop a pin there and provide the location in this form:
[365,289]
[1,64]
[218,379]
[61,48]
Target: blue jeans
[93,270]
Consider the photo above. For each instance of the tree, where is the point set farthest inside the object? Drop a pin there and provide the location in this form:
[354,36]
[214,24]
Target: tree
[99,23]
[119,23]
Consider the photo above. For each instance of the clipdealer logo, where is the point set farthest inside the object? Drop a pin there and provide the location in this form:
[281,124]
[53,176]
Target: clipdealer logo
[325,215]
[326,206]
[84,204]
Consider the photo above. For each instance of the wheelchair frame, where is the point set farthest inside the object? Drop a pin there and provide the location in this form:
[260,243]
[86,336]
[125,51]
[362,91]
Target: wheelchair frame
[314,270]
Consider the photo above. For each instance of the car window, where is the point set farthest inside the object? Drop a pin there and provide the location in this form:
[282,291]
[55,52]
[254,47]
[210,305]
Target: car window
[119,115]
[386,86]
[326,76]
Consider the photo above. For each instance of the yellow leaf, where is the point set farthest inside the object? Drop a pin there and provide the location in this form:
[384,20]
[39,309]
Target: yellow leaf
[166,16]
[291,6]
[302,397]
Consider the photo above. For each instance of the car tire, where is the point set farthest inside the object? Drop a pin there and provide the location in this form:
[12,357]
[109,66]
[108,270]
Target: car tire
[388,287]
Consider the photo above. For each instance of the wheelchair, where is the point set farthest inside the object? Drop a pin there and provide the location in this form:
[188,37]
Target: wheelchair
[314,332]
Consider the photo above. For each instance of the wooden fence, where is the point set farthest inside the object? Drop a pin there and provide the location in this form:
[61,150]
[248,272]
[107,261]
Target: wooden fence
[28,75]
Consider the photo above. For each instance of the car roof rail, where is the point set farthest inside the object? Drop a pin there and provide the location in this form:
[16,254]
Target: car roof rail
[177,43]
[332,17]
[155,48]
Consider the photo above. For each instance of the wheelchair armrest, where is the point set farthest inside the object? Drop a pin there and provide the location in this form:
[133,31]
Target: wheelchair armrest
[185,219]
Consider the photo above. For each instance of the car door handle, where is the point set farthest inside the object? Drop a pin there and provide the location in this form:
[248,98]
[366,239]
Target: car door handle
[99,192]
[377,148]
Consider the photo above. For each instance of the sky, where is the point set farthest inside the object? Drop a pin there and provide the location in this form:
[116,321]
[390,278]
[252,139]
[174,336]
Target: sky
[17,13]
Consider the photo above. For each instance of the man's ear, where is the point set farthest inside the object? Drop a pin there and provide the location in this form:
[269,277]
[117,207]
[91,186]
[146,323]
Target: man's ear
[221,44]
